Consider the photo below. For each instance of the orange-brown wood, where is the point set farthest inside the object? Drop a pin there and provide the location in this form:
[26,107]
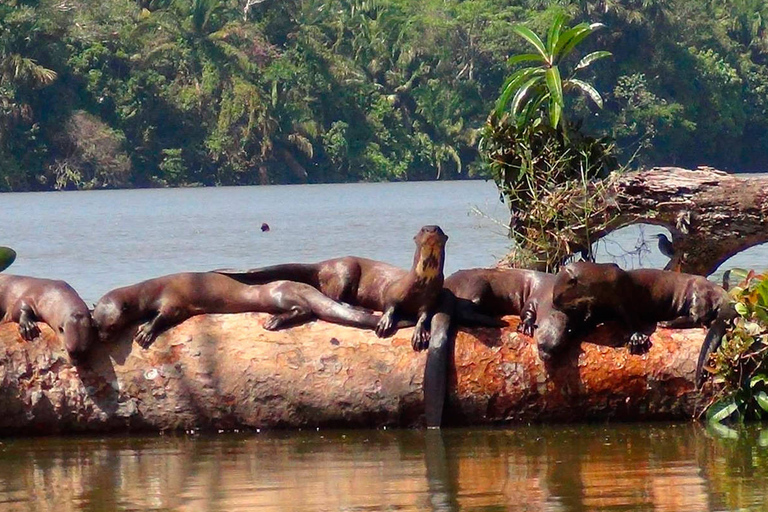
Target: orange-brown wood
[227,372]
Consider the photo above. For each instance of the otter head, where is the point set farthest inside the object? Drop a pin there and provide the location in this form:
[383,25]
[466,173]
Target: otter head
[552,334]
[578,286]
[110,316]
[566,292]
[429,258]
[77,332]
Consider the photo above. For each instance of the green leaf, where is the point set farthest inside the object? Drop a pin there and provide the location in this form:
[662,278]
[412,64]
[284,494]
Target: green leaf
[587,89]
[589,59]
[514,82]
[741,309]
[524,57]
[522,93]
[7,257]
[722,410]
[762,400]
[580,31]
[584,31]
[554,31]
[555,113]
[555,87]
[739,273]
[757,379]
[532,38]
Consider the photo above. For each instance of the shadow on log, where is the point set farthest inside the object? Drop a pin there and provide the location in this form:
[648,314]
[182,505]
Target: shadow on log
[227,372]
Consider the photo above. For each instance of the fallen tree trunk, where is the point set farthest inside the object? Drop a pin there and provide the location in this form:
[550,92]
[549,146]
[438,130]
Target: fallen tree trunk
[226,372]
[711,215]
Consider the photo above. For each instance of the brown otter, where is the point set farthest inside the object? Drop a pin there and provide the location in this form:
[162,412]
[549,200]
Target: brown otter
[166,301]
[479,297]
[373,284]
[642,298]
[484,294]
[27,300]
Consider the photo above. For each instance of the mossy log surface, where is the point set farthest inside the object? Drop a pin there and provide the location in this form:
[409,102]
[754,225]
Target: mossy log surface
[226,372]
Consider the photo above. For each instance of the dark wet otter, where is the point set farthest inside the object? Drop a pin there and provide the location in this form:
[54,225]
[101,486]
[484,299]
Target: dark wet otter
[642,298]
[484,294]
[27,300]
[479,297]
[373,284]
[166,301]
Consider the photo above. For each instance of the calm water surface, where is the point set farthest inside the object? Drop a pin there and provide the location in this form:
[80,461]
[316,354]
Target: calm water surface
[616,468]
[99,240]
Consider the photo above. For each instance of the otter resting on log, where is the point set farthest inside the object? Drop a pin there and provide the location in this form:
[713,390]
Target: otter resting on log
[226,372]
[374,285]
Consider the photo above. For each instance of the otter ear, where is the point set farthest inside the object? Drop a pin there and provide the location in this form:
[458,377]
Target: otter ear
[572,279]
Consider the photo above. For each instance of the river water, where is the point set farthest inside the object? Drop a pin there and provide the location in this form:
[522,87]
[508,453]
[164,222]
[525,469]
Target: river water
[98,240]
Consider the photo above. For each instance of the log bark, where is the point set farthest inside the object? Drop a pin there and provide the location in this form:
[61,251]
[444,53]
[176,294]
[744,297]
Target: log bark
[711,215]
[226,372]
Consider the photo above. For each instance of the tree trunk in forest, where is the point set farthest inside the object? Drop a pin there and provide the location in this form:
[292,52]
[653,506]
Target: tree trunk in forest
[712,215]
[226,372]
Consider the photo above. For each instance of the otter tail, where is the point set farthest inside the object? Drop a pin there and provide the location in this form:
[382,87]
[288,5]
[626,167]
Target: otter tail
[299,272]
[713,339]
[325,308]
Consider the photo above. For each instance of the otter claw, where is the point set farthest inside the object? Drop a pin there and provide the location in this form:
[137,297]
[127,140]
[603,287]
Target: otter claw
[526,327]
[29,331]
[273,323]
[384,328]
[420,340]
[639,343]
[144,337]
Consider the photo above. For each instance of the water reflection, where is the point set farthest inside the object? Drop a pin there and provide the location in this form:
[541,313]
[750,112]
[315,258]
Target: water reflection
[632,467]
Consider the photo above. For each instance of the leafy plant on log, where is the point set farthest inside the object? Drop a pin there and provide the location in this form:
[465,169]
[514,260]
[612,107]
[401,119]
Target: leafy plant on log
[546,169]
[7,257]
[740,365]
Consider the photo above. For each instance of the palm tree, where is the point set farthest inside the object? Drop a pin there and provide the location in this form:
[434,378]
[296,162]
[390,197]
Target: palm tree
[527,89]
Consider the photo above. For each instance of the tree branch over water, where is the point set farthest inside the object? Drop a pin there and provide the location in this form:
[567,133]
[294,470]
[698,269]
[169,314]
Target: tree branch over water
[712,215]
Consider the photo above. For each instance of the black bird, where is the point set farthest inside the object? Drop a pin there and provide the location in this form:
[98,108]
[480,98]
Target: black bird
[665,246]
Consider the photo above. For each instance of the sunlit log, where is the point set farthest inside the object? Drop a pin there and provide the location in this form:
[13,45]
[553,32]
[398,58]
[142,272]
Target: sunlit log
[712,215]
[226,372]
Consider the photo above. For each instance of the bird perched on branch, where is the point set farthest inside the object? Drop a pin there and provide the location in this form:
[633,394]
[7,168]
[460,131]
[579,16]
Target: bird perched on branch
[665,245]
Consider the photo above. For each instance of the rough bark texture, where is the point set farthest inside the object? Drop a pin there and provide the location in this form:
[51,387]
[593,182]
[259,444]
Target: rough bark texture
[712,215]
[226,372]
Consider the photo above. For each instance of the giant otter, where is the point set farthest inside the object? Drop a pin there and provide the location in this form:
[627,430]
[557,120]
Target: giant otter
[373,284]
[27,300]
[479,297]
[166,301]
[641,298]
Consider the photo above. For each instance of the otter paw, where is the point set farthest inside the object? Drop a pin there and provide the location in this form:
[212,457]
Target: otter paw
[29,330]
[144,337]
[420,340]
[527,326]
[385,327]
[273,323]
[639,343]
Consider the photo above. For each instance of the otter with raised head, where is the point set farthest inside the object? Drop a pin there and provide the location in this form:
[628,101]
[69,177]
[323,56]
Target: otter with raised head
[642,298]
[373,284]
[163,302]
[27,300]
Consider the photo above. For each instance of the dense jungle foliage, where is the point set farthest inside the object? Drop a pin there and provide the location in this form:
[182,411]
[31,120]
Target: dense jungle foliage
[123,93]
